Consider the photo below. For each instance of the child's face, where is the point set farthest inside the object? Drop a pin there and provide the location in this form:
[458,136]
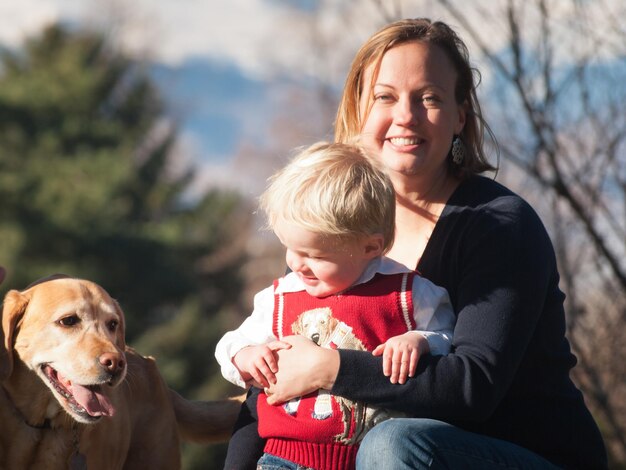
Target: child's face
[326,266]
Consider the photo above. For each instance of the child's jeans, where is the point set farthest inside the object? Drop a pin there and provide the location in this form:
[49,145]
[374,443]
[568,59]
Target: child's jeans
[271,462]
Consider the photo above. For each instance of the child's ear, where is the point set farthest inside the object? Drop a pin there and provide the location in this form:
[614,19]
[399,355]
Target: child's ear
[373,245]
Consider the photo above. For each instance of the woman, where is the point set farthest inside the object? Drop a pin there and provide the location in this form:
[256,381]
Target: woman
[503,397]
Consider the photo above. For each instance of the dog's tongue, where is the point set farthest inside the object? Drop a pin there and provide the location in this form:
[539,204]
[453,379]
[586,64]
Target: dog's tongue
[93,401]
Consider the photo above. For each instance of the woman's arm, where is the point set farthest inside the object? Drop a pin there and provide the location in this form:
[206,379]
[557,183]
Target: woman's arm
[503,275]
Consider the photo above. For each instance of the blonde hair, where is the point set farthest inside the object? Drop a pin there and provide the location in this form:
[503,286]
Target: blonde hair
[348,123]
[333,189]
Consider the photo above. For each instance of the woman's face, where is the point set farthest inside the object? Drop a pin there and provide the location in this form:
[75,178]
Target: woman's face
[414,114]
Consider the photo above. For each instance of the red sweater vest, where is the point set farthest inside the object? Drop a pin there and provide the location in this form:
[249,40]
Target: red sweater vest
[319,430]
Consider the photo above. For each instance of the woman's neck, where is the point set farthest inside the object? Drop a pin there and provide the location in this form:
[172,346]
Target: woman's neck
[418,208]
[413,191]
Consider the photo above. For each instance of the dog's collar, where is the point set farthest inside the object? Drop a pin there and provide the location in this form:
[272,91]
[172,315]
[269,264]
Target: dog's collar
[46,423]
[77,460]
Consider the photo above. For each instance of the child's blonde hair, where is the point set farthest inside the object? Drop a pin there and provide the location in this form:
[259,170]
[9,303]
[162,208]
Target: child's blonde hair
[333,189]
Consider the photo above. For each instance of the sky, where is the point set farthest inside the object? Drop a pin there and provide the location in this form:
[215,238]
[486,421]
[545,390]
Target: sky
[238,74]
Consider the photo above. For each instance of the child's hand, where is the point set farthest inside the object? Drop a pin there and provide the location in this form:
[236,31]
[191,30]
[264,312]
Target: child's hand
[401,354]
[258,363]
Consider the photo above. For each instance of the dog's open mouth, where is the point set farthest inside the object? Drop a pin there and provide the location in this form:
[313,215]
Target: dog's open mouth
[87,401]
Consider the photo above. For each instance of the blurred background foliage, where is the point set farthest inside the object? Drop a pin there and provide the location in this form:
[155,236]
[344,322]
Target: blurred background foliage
[89,188]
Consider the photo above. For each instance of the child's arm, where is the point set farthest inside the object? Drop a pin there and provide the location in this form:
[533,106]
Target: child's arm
[257,364]
[433,314]
[255,330]
[401,354]
[245,446]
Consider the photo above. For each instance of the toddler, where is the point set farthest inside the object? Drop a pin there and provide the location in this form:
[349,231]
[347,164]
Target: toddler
[334,212]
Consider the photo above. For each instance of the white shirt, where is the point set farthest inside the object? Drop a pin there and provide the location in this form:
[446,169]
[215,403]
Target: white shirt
[432,312]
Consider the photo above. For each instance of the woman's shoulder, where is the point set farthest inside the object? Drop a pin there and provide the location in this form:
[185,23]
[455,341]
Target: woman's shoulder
[481,195]
[481,205]
[479,189]
[482,221]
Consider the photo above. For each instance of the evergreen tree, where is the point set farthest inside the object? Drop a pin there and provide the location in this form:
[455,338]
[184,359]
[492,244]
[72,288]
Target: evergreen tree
[87,189]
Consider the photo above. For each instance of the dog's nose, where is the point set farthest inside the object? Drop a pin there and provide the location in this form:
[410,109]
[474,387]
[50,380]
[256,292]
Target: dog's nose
[315,337]
[114,363]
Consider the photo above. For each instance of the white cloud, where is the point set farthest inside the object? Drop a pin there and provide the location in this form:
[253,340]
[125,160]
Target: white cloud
[227,29]
[252,34]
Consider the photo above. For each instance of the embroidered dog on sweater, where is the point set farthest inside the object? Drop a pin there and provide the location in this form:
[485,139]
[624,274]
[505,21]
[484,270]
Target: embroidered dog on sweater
[322,328]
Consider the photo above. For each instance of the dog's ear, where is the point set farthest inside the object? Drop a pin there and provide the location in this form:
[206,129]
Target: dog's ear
[332,321]
[13,309]
[122,329]
[296,326]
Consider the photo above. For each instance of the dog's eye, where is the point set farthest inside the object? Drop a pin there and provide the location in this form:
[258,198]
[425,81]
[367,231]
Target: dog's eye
[112,325]
[69,321]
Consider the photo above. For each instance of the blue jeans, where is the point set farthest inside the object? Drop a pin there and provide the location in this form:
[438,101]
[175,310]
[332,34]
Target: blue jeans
[271,462]
[412,444]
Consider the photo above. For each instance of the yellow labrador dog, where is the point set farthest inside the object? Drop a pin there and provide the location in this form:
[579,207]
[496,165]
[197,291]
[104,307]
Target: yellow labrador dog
[74,396]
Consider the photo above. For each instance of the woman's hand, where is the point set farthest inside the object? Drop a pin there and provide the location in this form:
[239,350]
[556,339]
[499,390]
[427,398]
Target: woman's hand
[302,369]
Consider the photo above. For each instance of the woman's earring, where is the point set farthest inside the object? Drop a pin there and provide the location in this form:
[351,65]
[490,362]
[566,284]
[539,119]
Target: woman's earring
[458,150]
